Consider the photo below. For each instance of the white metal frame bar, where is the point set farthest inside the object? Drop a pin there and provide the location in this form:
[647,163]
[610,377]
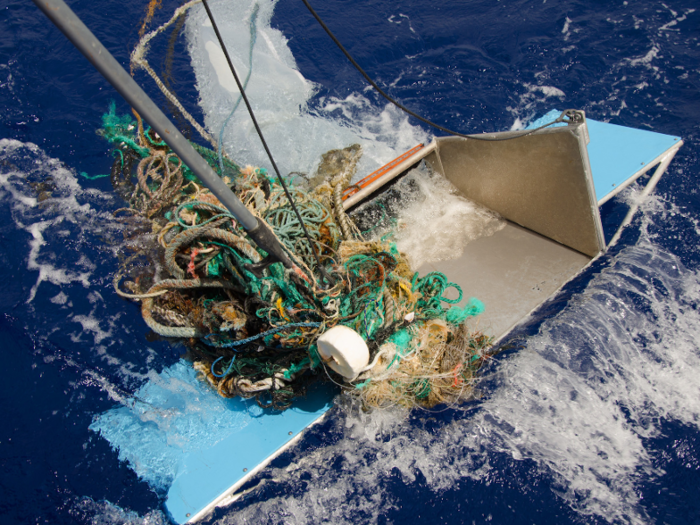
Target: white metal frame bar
[663,162]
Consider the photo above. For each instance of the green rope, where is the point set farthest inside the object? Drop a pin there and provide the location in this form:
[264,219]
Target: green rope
[93,177]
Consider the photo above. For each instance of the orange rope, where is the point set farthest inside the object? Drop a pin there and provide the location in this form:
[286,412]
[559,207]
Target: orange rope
[150,11]
[458,380]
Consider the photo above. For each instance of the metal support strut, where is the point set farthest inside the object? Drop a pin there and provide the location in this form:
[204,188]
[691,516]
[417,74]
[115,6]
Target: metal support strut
[648,189]
[68,22]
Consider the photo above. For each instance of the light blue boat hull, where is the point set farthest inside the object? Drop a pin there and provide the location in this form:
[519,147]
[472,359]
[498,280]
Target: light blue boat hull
[181,435]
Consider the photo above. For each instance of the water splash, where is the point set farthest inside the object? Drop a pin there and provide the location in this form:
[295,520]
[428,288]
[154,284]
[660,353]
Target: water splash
[280,96]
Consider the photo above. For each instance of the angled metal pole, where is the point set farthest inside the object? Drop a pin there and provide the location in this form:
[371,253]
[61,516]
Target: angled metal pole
[78,33]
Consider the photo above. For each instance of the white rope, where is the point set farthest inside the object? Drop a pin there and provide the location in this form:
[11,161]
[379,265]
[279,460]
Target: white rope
[138,58]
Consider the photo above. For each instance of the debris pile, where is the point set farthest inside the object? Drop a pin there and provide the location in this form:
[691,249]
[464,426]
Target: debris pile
[253,328]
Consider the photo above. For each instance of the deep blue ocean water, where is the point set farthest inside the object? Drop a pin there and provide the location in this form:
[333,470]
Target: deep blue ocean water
[593,416]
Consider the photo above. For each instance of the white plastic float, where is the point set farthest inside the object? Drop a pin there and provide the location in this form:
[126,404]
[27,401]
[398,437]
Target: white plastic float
[344,351]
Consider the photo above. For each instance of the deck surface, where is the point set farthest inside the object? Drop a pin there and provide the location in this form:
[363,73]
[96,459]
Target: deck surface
[210,473]
[511,272]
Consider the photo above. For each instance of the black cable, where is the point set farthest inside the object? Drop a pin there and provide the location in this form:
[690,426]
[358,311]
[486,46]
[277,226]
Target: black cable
[404,108]
[325,275]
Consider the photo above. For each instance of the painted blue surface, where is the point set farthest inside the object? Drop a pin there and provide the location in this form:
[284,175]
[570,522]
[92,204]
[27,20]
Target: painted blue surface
[615,152]
[178,434]
[207,473]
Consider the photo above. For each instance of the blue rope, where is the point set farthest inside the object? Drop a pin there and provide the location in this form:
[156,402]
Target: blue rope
[253,38]
[228,370]
[240,342]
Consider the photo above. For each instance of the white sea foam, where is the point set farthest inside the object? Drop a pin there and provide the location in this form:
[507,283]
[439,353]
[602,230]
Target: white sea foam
[646,59]
[87,510]
[392,19]
[524,111]
[280,96]
[60,210]
[676,19]
[632,74]
[436,223]
[60,298]
[44,199]
[565,29]
[92,325]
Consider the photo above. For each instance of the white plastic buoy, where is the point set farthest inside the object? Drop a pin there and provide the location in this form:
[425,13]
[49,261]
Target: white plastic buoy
[344,351]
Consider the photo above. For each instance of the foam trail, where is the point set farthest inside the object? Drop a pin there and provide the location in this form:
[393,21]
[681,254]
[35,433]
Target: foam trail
[49,209]
[427,217]
[94,512]
[280,95]
[173,414]
[71,239]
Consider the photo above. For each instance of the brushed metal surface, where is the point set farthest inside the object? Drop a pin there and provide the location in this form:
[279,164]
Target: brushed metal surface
[541,181]
[512,272]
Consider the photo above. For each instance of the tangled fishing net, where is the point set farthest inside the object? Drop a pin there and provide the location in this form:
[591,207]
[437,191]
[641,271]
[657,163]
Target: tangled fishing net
[252,328]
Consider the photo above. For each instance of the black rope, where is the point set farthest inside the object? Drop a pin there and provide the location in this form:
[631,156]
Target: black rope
[404,108]
[325,275]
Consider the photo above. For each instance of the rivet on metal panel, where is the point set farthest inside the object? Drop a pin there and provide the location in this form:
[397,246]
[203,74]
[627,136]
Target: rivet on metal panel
[245,470]
[291,433]
[188,515]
